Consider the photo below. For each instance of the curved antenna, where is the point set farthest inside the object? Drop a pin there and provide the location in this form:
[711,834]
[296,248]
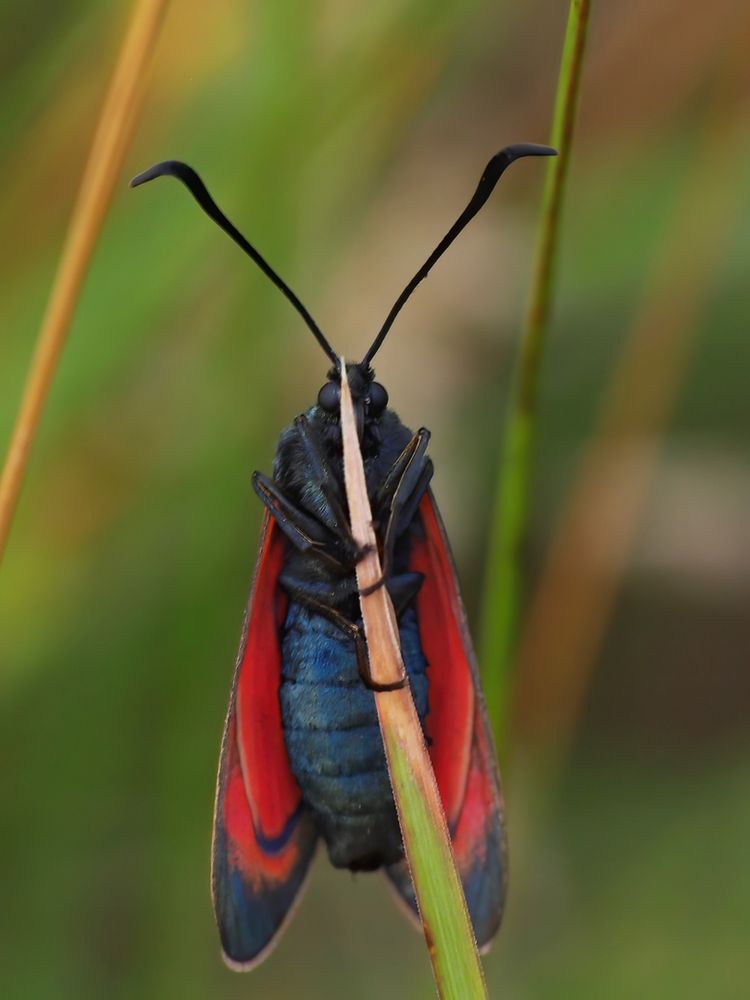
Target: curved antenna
[492,174]
[196,187]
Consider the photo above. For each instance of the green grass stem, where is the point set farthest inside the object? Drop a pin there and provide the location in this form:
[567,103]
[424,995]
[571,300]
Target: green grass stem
[503,583]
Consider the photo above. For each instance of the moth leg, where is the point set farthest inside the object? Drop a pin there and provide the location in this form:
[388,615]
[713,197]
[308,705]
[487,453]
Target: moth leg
[414,451]
[303,531]
[320,503]
[353,632]
[403,488]
[402,590]
[315,594]
[331,508]
[403,514]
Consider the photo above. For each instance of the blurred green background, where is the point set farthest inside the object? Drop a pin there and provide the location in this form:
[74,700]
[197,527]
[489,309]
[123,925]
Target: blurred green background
[344,139]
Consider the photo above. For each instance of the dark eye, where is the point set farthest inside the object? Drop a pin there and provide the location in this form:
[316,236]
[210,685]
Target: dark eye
[330,396]
[378,399]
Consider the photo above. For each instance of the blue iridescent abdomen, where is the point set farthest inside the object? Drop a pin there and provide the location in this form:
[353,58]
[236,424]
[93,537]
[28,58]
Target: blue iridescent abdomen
[333,739]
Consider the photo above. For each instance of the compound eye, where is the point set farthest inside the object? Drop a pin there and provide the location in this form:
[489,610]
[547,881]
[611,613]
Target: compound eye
[329,397]
[378,399]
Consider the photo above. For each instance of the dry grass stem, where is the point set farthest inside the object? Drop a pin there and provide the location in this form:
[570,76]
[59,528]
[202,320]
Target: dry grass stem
[450,938]
[111,139]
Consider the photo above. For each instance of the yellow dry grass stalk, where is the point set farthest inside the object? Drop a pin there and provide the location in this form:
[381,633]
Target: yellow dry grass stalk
[450,938]
[113,132]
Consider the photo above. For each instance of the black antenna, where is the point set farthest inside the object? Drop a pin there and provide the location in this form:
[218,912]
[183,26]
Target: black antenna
[196,187]
[492,174]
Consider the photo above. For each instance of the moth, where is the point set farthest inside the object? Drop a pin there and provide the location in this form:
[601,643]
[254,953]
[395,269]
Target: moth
[301,755]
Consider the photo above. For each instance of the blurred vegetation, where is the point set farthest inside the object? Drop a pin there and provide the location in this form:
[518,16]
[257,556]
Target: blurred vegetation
[506,536]
[343,141]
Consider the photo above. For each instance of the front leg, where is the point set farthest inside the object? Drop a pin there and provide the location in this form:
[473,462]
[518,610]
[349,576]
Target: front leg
[400,495]
[303,531]
[328,505]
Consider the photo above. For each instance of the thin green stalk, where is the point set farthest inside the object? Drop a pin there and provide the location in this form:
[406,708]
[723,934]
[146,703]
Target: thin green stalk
[502,590]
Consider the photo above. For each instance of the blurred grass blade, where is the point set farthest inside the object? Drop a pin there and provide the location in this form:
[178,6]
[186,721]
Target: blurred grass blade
[450,938]
[111,139]
[578,586]
[503,579]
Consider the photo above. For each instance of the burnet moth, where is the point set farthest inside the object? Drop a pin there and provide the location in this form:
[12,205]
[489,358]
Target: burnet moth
[301,756]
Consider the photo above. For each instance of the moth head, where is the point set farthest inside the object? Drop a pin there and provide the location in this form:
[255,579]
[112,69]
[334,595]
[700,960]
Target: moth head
[366,392]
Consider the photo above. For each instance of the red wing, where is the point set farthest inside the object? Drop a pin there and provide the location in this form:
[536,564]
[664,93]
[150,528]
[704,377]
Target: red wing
[263,838]
[461,749]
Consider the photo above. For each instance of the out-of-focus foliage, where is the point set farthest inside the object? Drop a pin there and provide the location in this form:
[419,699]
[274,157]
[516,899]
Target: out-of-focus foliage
[343,139]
